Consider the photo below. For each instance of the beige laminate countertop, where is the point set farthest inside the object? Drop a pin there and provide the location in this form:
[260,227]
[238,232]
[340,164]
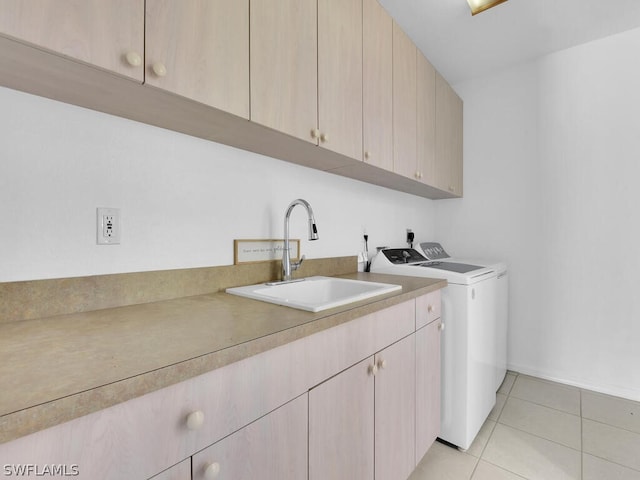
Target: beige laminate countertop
[59,368]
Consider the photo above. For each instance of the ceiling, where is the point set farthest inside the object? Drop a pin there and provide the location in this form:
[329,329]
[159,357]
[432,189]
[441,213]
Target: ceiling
[462,47]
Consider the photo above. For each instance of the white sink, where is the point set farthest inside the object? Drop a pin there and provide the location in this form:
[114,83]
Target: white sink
[315,293]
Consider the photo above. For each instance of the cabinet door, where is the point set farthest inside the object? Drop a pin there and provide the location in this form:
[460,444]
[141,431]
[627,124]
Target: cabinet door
[92,31]
[426,120]
[271,448]
[284,66]
[427,387]
[199,49]
[377,85]
[395,411]
[181,471]
[448,174]
[404,104]
[340,76]
[341,426]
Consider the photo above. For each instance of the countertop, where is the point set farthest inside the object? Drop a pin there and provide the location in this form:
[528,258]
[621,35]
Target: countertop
[58,368]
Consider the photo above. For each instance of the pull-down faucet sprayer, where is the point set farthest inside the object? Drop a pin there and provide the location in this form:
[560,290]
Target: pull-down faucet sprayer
[287,265]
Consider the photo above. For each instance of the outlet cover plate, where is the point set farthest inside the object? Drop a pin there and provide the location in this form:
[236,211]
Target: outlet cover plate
[108,228]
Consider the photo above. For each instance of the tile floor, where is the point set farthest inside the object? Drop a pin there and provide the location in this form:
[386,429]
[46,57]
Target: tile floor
[540,430]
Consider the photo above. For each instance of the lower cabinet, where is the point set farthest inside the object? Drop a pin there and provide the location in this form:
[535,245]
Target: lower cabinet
[363,420]
[395,410]
[181,471]
[427,386]
[341,425]
[273,447]
[357,401]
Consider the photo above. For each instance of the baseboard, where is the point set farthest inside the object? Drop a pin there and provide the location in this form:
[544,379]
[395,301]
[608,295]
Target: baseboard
[614,390]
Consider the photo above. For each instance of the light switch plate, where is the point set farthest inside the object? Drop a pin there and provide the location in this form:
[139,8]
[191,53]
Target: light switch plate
[108,227]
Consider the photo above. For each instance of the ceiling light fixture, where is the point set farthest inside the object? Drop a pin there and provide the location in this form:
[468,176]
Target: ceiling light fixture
[478,6]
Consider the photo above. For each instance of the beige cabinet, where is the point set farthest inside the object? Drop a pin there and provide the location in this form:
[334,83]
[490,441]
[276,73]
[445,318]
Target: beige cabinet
[273,447]
[284,66]
[149,434]
[309,405]
[404,104]
[306,71]
[362,421]
[426,120]
[448,164]
[395,384]
[427,387]
[199,49]
[377,85]
[341,425]
[340,76]
[109,35]
[181,471]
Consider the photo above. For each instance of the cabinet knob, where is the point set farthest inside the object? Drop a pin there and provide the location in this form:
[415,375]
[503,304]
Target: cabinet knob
[451,189]
[195,420]
[324,137]
[133,59]
[159,69]
[315,133]
[441,326]
[367,155]
[211,470]
[418,175]
[382,364]
[373,369]
[430,308]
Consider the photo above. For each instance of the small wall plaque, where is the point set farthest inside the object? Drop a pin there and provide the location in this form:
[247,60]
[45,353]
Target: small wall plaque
[250,251]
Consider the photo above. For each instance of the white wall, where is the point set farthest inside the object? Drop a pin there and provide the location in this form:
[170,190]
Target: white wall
[183,200]
[552,169]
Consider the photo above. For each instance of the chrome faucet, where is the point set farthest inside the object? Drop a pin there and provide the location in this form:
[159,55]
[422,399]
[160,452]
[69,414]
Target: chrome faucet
[287,265]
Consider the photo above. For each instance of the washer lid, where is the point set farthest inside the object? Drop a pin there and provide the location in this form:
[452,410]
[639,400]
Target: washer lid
[451,266]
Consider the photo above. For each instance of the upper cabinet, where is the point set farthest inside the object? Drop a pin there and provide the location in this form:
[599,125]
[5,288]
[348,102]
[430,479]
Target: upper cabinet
[426,120]
[377,85]
[109,34]
[448,165]
[306,71]
[284,66]
[199,49]
[404,104]
[340,76]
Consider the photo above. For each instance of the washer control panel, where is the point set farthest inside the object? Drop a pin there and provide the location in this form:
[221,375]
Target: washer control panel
[434,251]
[400,256]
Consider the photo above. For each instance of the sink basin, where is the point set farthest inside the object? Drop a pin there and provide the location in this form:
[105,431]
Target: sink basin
[315,294]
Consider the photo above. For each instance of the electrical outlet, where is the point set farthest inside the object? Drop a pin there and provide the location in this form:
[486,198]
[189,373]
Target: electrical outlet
[108,226]
[410,236]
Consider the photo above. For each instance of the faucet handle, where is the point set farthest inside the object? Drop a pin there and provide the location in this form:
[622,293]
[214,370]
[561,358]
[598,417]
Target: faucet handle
[296,265]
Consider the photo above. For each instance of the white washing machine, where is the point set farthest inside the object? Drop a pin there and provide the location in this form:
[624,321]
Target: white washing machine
[468,340]
[434,251]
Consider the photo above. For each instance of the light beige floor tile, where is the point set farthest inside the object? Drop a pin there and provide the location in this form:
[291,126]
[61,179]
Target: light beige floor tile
[611,443]
[549,394]
[487,471]
[594,468]
[611,410]
[481,439]
[507,383]
[531,457]
[444,463]
[501,398]
[545,422]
